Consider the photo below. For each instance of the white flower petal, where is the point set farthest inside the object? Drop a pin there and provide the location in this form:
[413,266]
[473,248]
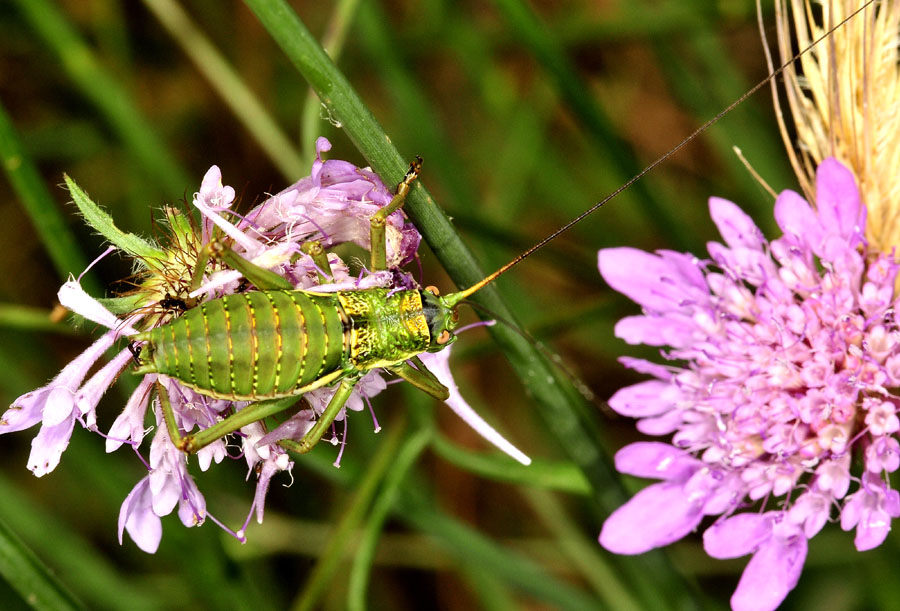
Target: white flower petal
[73,297]
[438,364]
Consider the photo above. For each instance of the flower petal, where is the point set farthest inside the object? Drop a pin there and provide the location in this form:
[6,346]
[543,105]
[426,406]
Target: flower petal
[88,396]
[49,444]
[650,398]
[137,517]
[656,460]
[738,535]
[671,330]
[837,200]
[737,229]
[58,406]
[655,282]
[770,575]
[192,506]
[655,516]
[73,297]
[798,221]
[656,370]
[438,363]
[129,425]
[57,397]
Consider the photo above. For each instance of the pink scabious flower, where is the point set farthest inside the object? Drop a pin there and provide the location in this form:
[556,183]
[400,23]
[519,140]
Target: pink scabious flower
[331,206]
[783,359]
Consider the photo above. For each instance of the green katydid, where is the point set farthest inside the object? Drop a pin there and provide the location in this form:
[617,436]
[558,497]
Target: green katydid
[273,344]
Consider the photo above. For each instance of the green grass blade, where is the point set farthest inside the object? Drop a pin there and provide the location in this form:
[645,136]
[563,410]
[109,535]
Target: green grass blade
[473,548]
[29,577]
[404,460]
[562,476]
[616,151]
[349,523]
[409,101]
[110,98]
[25,318]
[565,413]
[230,87]
[586,556]
[55,235]
[563,408]
[333,40]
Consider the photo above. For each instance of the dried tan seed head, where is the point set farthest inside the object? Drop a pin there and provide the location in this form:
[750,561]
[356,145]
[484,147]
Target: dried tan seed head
[845,102]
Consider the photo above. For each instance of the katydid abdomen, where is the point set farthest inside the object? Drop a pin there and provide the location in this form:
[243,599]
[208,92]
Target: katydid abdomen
[276,343]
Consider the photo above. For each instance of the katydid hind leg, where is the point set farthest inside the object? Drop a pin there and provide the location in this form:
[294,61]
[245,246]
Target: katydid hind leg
[192,443]
[169,416]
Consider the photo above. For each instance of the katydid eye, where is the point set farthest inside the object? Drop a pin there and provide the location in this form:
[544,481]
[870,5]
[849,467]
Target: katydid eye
[443,338]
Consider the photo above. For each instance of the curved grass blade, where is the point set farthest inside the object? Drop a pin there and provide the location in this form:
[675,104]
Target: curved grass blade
[404,460]
[550,55]
[562,476]
[29,577]
[57,239]
[585,556]
[473,548]
[347,526]
[566,414]
[112,100]
[26,318]
[230,87]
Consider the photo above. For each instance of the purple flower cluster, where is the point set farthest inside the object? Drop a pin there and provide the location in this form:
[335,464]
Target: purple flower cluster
[332,206]
[783,360]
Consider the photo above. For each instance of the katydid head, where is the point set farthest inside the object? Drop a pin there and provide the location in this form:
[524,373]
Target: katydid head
[442,318]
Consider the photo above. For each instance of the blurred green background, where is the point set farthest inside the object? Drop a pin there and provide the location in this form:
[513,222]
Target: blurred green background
[526,113]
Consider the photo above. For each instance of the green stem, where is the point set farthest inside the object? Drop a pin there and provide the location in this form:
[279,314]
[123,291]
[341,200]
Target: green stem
[333,42]
[566,414]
